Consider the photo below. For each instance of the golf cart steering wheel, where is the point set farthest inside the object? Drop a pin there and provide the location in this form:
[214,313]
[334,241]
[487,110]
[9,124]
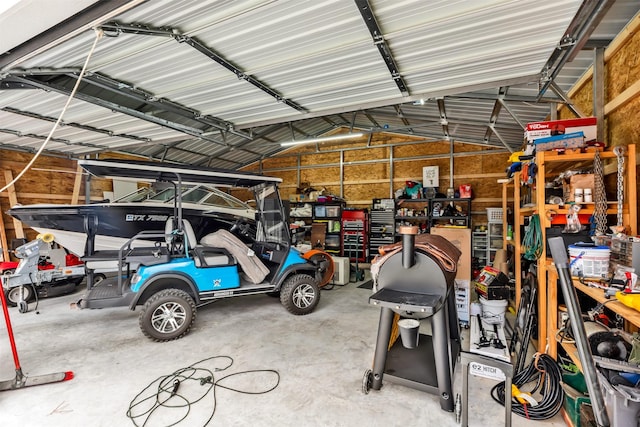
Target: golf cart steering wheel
[241,227]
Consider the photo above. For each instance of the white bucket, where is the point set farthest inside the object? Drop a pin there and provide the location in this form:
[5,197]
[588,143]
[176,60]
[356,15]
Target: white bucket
[493,310]
[589,261]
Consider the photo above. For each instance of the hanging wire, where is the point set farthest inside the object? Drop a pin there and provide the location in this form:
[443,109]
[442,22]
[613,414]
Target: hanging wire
[600,196]
[99,35]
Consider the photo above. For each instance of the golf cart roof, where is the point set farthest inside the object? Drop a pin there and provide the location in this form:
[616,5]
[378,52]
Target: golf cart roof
[153,171]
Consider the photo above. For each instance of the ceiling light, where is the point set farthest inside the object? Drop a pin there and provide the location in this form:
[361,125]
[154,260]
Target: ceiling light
[322,139]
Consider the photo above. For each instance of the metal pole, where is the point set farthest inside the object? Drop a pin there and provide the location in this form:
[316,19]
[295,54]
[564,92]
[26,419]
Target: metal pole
[559,254]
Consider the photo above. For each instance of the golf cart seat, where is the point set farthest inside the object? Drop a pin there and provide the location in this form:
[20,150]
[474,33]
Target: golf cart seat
[176,241]
[204,256]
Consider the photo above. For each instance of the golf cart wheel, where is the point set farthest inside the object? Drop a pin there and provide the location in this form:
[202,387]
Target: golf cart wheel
[167,315]
[300,294]
[367,381]
[13,296]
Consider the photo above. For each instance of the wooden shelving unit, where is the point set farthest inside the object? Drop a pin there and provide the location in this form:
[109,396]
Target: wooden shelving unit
[551,163]
[630,315]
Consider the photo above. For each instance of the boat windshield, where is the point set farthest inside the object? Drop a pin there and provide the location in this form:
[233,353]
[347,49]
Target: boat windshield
[140,195]
[165,195]
[204,195]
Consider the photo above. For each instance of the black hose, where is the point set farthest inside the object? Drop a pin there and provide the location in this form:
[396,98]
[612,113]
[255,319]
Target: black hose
[546,374]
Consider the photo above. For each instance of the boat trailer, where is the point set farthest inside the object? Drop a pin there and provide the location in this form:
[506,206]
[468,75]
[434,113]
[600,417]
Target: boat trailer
[30,278]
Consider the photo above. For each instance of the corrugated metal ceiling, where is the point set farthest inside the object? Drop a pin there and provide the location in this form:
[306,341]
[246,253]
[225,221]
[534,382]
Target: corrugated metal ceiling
[221,83]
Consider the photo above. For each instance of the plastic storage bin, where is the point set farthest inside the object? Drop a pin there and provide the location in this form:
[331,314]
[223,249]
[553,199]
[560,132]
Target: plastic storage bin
[589,261]
[622,402]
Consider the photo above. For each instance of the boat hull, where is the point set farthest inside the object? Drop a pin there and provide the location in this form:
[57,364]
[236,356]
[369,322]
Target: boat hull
[112,224]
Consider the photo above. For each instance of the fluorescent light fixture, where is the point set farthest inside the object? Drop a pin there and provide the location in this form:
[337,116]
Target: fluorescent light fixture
[322,139]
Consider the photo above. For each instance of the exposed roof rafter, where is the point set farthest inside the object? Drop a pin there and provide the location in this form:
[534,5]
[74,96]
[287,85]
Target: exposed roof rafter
[205,50]
[378,40]
[74,125]
[61,87]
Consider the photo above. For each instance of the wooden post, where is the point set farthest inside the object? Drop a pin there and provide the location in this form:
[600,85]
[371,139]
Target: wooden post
[76,186]
[3,240]
[13,200]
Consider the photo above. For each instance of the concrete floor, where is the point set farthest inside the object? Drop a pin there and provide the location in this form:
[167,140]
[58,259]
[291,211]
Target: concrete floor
[320,358]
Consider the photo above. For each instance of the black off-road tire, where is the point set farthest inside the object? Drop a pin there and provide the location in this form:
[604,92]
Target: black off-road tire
[167,315]
[300,294]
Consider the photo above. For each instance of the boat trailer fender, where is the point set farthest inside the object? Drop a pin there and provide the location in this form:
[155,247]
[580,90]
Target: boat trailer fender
[162,281]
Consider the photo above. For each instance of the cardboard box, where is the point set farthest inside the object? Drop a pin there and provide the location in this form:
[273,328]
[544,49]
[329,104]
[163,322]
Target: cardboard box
[582,180]
[586,125]
[559,142]
[461,239]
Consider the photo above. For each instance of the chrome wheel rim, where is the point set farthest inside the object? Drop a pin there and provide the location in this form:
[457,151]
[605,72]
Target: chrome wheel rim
[303,296]
[168,317]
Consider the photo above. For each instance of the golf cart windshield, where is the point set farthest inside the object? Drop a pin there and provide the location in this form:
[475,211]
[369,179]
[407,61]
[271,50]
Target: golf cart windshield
[271,224]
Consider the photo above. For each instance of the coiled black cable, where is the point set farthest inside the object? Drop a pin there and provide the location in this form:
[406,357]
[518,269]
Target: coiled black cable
[546,374]
[171,397]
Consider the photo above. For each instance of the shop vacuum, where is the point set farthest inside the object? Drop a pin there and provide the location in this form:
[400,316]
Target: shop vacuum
[415,279]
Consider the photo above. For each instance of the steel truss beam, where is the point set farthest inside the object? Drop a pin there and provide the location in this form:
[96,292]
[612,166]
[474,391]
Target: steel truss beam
[74,125]
[52,139]
[378,40]
[82,95]
[205,50]
[586,20]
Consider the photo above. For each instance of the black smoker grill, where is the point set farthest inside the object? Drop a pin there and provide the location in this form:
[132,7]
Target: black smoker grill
[416,282]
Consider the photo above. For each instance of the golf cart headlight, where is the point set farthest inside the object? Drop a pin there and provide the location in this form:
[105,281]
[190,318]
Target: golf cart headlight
[135,278]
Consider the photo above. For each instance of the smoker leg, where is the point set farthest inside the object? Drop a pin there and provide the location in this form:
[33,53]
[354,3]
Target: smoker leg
[453,333]
[454,322]
[440,334]
[382,345]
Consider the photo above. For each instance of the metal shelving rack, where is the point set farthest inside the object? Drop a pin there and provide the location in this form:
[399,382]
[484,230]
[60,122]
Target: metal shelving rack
[438,207]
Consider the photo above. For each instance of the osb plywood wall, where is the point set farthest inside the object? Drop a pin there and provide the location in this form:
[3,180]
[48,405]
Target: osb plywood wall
[364,169]
[622,89]
[622,93]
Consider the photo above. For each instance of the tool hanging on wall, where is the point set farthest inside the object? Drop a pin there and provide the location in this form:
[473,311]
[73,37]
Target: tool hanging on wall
[600,196]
